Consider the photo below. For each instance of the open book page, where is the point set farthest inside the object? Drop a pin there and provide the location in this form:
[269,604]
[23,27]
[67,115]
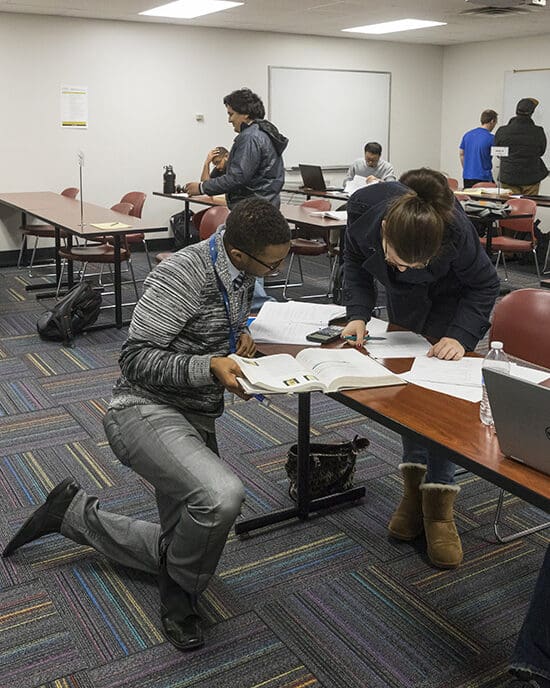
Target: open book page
[355,184]
[480,190]
[290,322]
[278,373]
[346,369]
[341,215]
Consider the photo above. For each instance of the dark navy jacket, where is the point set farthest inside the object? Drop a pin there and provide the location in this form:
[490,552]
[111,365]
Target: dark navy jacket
[254,166]
[451,297]
[527,144]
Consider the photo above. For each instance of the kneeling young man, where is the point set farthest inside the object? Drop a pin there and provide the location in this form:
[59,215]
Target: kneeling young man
[160,422]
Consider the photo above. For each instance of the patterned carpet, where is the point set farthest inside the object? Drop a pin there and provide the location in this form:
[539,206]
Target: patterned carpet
[328,602]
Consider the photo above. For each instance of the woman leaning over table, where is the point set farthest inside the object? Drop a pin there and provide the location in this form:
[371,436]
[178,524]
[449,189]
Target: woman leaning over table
[415,239]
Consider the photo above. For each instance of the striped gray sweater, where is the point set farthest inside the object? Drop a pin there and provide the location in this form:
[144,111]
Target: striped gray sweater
[178,325]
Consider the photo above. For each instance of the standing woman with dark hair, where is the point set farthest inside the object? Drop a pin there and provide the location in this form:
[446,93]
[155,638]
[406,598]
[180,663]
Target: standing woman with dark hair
[415,239]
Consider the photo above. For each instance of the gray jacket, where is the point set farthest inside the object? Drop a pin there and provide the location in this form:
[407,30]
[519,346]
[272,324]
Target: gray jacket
[178,325]
[254,167]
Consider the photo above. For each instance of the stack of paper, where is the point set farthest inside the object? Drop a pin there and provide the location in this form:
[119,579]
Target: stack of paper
[461,379]
[290,322]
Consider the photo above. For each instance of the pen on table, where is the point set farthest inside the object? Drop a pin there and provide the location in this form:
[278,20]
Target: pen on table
[368,338]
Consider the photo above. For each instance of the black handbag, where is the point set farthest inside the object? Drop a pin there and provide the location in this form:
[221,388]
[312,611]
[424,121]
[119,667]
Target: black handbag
[331,467]
[78,309]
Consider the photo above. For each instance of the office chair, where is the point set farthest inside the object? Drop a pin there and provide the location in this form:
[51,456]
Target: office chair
[508,244]
[453,183]
[211,220]
[42,232]
[520,322]
[310,247]
[137,199]
[484,185]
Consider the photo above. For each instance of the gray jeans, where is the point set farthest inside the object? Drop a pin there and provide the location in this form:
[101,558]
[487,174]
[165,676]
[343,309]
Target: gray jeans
[198,497]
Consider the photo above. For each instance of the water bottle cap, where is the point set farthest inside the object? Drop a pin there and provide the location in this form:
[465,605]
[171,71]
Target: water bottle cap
[497,345]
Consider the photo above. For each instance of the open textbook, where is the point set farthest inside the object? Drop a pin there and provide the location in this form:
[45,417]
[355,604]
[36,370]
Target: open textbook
[325,370]
[341,215]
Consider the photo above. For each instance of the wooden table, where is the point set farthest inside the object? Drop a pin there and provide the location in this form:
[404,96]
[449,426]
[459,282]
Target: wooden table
[309,193]
[65,214]
[439,421]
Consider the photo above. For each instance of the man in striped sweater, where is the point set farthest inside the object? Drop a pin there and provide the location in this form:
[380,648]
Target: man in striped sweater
[160,422]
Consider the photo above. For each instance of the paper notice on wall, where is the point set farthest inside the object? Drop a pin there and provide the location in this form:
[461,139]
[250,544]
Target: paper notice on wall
[74,107]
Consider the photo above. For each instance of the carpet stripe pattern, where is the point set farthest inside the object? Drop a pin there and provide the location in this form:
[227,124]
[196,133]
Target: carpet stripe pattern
[330,602]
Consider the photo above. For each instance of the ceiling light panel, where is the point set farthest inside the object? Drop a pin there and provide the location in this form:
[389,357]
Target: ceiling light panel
[189,9]
[395,26]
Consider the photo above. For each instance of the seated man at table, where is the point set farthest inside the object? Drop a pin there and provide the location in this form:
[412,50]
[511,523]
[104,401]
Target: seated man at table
[160,422]
[371,166]
[217,157]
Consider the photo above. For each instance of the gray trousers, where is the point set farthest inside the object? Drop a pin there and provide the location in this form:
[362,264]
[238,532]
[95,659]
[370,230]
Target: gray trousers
[198,497]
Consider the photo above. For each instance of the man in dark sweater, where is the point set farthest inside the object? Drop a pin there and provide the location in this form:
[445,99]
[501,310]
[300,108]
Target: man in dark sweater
[160,422]
[523,169]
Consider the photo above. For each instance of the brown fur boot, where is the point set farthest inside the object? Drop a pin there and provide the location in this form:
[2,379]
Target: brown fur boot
[406,522]
[444,546]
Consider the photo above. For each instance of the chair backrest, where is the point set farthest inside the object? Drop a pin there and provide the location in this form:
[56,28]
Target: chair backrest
[521,206]
[317,204]
[137,199]
[521,321]
[212,219]
[124,208]
[484,185]
[70,192]
[453,183]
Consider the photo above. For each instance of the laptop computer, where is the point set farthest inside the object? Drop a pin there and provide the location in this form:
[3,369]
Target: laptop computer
[312,176]
[521,413]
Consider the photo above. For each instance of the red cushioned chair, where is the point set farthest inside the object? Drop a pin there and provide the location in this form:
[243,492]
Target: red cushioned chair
[310,247]
[521,321]
[526,226]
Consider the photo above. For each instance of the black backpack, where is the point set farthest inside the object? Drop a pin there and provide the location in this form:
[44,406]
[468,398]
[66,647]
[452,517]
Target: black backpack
[78,309]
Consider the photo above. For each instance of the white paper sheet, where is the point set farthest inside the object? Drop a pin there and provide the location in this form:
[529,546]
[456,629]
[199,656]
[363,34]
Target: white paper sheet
[396,344]
[290,322]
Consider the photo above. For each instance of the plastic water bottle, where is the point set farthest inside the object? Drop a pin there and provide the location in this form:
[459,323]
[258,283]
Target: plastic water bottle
[496,359]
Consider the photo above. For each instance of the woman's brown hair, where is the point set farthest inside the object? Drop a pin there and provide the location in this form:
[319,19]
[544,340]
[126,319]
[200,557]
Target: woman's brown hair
[415,223]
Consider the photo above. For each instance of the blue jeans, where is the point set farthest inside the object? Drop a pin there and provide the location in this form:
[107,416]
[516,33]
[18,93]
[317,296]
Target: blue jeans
[440,469]
[532,649]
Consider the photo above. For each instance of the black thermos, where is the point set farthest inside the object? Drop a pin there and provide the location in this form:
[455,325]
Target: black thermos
[169,177]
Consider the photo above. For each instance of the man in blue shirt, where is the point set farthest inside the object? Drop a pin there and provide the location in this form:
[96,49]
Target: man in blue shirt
[475,151]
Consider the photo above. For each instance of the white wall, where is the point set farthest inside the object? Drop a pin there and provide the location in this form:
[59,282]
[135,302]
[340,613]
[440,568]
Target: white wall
[145,83]
[473,80]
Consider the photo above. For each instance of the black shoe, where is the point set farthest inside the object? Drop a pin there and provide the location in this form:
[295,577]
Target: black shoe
[181,623]
[47,518]
[526,679]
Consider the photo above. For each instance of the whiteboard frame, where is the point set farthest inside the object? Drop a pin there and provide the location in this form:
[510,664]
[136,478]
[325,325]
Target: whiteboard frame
[344,166]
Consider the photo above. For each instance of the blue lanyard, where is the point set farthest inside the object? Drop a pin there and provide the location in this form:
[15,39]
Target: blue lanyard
[223,291]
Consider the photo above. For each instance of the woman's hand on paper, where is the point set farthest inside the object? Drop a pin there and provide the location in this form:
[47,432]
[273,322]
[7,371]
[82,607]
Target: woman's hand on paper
[355,333]
[226,371]
[447,349]
[246,346]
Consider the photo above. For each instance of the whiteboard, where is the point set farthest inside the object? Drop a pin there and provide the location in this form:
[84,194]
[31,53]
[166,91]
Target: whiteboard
[528,84]
[329,114]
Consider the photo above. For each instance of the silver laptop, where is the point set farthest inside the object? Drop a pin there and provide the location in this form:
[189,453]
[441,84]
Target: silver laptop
[521,413]
[312,177]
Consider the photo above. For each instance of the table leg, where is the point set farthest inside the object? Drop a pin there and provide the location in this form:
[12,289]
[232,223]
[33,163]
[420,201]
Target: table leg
[117,282]
[304,504]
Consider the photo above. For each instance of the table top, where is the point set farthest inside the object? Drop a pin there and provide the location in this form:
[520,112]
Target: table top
[541,201]
[200,200]
[450,423]
[302,216]
[64,212]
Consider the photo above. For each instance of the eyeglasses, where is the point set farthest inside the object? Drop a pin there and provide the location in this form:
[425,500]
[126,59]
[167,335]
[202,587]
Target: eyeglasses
[271,267]
[405,266]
